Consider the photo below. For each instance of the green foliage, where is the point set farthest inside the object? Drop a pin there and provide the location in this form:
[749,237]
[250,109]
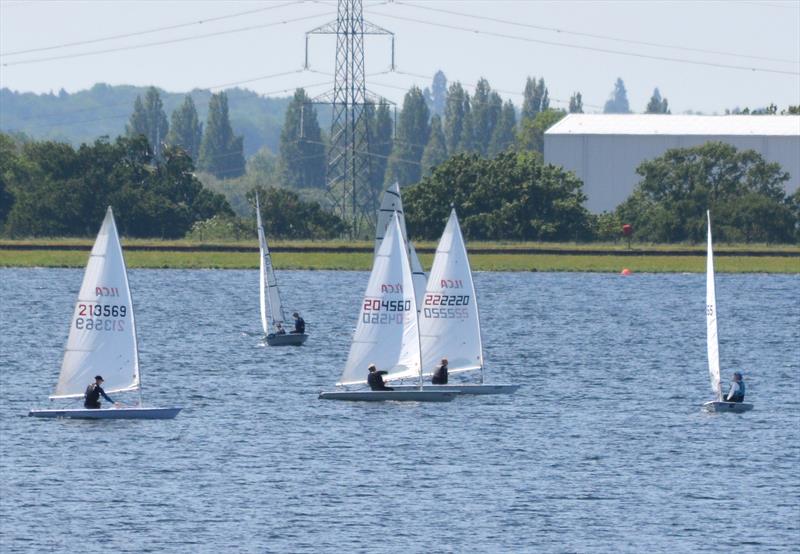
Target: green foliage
[514,196]
[436,151]
[657,104]
[531,131]
[302,151]
[576,103]
[484,115]
[536,98]
[744,192]
[618,101]
[149,120]
[221,153]
[380,133]
[456,108]
[285,215]
[607,226]
[504,132]
[60,191]
[186,131]
[412,136]
[436,96]
[222,228]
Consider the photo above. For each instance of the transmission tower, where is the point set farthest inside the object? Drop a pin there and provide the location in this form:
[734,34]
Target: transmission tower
[349,156]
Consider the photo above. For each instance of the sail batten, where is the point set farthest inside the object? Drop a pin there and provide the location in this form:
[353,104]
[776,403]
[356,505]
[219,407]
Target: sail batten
[269,295]
[712,336]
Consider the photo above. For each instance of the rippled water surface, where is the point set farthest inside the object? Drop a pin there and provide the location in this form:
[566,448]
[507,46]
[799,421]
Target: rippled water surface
[603,449]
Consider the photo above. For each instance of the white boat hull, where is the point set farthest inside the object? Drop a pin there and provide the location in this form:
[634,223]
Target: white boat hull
[413,395]
[289,339]
[465,388]
[730,407]
[108,413]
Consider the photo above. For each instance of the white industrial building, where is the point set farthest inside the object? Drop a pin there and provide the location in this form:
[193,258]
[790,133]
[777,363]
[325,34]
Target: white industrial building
[604,150]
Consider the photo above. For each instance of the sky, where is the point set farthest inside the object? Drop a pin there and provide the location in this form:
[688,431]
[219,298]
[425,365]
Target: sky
[703,56]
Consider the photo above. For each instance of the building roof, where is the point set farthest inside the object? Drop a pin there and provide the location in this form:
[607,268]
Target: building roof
[659,124]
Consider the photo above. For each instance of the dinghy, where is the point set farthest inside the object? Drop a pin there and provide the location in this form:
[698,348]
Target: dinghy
[387,332]
[712,340]
[102,337]
[270,297]
[392,203]
[449,320]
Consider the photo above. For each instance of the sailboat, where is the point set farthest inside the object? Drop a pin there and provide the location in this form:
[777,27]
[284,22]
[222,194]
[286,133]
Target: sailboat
[449,321]
[392,203]
[712,340]
[387,333]
[270,297]
[102,337]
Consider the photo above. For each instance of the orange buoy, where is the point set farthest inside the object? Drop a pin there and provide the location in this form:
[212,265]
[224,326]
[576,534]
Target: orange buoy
[626,272]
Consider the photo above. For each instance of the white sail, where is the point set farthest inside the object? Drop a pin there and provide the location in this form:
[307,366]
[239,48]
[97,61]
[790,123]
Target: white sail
[271,306]
[711,318]
[449,321]
[387,333]
[102,336]
[392,203]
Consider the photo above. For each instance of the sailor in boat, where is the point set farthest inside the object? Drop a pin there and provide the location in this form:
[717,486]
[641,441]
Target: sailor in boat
[439,376]
[299,324]
[736,392]
[94,391]
[375,379]
[279,330]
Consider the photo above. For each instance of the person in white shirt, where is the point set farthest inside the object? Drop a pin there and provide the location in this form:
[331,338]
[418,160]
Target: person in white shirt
[736,391]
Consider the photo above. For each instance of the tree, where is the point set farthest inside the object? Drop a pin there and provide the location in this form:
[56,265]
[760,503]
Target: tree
[531,132]
[456,105]
[484,114]
[380,134]
[285,215]
[744,192]
[576,103]
[186,131]
[536,98]
[148,119]
[504,132]
[515,196]
[618,101]
[302,151]
[657,104]
[413,131]
[436,96]
[435,152]
[221,153]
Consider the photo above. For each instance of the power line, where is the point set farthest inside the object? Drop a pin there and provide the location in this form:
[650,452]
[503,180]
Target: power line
[589,48]
[592,35]
[148,31]
[163,42]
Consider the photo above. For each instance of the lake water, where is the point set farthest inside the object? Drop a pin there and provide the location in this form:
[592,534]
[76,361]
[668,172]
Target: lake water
[604,448]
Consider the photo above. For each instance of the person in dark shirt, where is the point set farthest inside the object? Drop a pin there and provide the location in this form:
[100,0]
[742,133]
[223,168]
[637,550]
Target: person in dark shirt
[94,391]
[736,392]
[440,373]
[375,378]
[299,324]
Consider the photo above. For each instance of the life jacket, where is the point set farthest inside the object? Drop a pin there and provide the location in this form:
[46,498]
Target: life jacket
[738,396]
[92,395]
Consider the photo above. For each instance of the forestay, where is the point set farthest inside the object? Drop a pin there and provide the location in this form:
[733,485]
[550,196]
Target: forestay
[712,338]
[392,203]
[449,321]
[271,307]
[102,336]
[387,332]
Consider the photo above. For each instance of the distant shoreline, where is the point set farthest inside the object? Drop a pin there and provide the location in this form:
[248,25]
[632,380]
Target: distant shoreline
[357,256]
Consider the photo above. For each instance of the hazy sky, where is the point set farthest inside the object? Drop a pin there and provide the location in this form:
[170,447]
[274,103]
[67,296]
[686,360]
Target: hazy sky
[695,51]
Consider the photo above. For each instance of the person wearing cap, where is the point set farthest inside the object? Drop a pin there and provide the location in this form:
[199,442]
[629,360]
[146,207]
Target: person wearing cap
[299,324]
[736,391]
[440,373]
[94,391]
[375,378]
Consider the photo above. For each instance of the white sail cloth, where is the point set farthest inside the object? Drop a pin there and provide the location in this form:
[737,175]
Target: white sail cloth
[712,338]
[387,332]
[102,336]
[392,203]
[270,298]
[449,321]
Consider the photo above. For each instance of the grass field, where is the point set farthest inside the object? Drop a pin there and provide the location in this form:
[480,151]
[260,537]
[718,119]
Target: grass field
[363,261]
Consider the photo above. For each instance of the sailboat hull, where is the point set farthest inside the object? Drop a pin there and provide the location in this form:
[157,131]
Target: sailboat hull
[465,388]
[289,339]
[414,395]
[727,407]
[109,413]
